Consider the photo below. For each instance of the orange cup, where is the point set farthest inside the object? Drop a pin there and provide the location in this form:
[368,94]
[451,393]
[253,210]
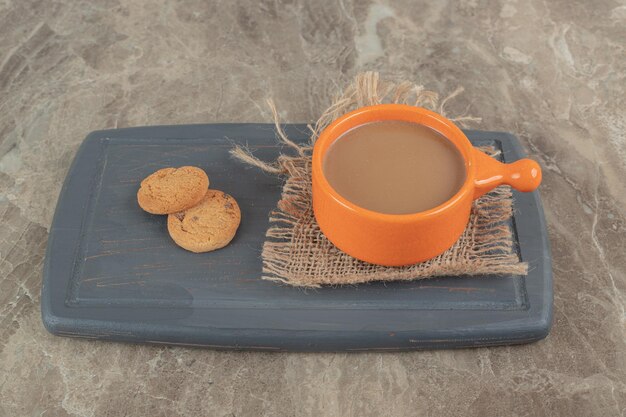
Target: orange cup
[404,239]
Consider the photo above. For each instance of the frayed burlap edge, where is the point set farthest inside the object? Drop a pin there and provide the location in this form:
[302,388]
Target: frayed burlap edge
[298,254]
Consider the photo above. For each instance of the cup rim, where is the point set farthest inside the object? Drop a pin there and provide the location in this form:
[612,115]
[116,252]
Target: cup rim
[386,112]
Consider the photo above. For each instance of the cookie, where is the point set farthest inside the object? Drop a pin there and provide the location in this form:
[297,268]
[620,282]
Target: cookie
[170,190]
[210,225]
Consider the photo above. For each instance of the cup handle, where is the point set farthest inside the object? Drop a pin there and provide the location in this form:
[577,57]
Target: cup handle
[523,175]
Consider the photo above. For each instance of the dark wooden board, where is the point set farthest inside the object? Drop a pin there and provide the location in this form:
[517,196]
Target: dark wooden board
[112,272]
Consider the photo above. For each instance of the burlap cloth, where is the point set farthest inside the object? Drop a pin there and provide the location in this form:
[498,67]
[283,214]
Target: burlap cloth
[297,253]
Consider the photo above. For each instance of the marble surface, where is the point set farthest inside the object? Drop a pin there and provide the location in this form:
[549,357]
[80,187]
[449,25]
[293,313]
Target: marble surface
[552,72]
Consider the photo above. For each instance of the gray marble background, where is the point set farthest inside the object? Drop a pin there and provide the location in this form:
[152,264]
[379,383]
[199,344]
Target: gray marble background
[551,72]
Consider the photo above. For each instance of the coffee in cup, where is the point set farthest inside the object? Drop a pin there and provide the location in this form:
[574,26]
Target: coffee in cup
[394,167]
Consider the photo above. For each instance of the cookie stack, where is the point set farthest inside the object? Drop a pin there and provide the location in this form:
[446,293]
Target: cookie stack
[199,219]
